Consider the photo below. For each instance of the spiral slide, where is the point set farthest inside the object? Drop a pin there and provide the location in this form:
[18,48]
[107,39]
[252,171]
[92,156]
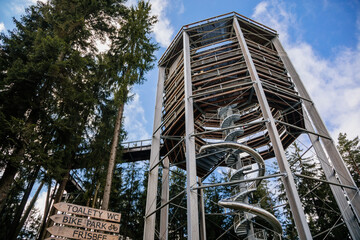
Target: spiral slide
[242,169]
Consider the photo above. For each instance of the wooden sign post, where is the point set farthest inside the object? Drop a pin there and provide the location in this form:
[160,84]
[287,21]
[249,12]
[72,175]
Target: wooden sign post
[87,211]
[85,223]
[108,222]
[79,233]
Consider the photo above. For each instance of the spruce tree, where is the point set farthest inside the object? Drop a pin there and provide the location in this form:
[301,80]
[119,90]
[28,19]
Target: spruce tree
[131,55]
[350,152]
[216,223]
[49,88]
[321,209]
[177,213]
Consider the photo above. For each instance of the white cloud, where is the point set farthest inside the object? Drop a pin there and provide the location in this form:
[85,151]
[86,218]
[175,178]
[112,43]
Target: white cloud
[134,120]
[260,9]
[163,30]
[130,3]
[333,83]
[272,13]
[2,27]
[18,6]
[181,7]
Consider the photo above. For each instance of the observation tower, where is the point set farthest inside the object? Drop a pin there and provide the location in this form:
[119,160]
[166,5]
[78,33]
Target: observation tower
[228,95]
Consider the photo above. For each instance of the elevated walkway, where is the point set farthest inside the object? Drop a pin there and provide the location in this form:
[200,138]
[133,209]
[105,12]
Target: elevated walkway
[136,150]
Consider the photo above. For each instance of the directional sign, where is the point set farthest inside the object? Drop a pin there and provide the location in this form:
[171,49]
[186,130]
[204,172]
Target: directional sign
[79,234]
[86,211]
[85,223]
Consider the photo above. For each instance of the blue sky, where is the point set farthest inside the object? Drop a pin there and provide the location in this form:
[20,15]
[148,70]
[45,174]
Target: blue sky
[322,38]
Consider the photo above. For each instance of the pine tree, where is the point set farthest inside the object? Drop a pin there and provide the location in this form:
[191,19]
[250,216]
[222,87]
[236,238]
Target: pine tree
[177,213]
[350,152]
[48,87]
[132,55]
[32,225]
[320,209]
[216,223]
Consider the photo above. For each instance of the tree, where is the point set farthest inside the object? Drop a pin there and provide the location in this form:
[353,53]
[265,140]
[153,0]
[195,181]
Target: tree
[49,89]
[350,152]
[128,199]
[132,55]
[216,223]
[177,213]
[32,225]
[321,209]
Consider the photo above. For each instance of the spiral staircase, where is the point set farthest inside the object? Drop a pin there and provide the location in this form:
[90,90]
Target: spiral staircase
[236,156]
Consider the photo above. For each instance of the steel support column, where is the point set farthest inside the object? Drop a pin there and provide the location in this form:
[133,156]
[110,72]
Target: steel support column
[192,199]
[202,213]
[164,213]
[149,228]
[351,218]
[346,212]
[288,180]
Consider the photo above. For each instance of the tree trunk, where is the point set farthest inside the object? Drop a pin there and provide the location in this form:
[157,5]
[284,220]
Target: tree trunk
[27,212]
[95,194]
[20,209]
[47,208]
[57,199]
[6,182]
[110,171]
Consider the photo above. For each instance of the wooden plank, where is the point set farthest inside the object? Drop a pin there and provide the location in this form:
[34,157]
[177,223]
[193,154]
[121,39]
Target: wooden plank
[87,211]
[85,223]
[79,233]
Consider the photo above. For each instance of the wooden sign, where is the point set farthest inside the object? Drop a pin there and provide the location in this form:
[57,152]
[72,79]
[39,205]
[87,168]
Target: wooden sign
[79,233]
[85,223]
[87,211]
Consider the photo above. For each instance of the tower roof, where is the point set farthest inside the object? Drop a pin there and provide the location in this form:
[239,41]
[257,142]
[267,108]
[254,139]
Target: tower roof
[216,28]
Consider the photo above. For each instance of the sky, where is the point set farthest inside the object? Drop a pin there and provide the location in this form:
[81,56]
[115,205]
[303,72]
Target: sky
[321,37]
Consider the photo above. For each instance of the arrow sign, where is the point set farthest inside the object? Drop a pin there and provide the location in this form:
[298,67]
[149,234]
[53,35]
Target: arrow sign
[86,211]
[85,223]
[79,234]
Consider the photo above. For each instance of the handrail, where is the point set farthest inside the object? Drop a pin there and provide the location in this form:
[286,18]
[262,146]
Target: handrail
[222,16]
[133,144]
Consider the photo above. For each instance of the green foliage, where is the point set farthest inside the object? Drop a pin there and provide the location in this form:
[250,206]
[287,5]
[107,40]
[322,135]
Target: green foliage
[127,198]
[350,152]
[216,223]
[132,50]
[13,201]
[320,209]
[57,92]
[177,215]
[31,227]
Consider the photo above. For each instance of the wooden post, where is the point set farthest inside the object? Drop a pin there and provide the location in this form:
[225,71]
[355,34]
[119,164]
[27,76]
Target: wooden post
[351,218]
[149,228]
[192,199]
[164,213]
[288,181]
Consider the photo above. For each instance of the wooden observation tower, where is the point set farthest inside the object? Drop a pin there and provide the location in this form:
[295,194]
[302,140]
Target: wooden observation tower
[228,95]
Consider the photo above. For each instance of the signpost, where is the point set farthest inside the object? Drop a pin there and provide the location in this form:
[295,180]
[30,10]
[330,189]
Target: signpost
[85,227]
[85,223]
[87,211]
[79,233]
